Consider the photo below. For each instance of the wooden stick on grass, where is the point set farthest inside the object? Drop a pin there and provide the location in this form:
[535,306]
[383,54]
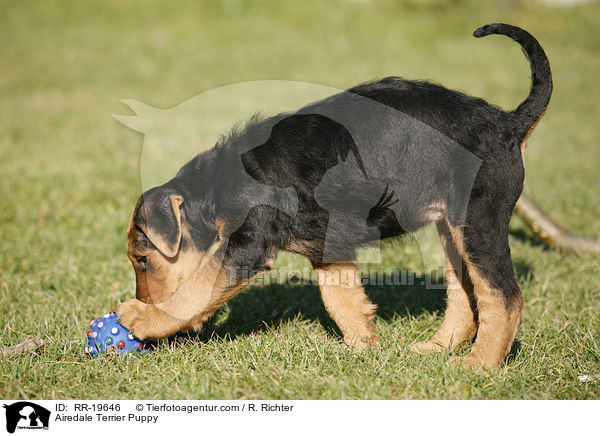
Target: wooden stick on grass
[28,345]
[553,234]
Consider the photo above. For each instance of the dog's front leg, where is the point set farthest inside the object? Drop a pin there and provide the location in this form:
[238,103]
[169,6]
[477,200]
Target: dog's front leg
[241,259]
[347,304]
[183,310]
[148,321]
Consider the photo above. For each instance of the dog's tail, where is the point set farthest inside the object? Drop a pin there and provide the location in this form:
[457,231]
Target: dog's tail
[534,106]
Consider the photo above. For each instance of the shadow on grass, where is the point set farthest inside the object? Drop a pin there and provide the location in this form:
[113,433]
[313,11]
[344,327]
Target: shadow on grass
[261,308]
[528,237]
[512,354]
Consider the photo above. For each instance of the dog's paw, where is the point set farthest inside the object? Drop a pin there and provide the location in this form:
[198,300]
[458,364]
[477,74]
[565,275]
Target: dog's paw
[139,318]
[472,361]
[427,347]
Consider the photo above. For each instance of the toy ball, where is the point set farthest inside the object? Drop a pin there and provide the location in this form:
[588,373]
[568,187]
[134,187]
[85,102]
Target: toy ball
[107,335]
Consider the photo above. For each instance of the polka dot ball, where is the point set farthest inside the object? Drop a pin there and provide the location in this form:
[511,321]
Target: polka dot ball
[108,335]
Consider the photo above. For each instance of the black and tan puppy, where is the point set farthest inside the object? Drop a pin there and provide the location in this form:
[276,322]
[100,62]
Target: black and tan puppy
[381,159]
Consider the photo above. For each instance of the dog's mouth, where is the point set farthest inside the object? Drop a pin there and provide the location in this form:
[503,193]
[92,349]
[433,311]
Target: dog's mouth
[144,292]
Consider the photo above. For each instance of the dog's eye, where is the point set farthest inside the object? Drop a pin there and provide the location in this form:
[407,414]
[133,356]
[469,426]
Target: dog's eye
[142,260]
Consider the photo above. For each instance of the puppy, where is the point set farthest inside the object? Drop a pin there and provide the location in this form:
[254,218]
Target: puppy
[381,159]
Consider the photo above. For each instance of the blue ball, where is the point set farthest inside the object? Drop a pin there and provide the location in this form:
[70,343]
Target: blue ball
[108,335]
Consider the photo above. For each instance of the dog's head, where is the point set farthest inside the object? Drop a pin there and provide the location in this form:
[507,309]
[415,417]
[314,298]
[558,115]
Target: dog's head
[166,252]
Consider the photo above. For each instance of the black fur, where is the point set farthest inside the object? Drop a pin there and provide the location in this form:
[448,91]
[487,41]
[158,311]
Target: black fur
[380,156]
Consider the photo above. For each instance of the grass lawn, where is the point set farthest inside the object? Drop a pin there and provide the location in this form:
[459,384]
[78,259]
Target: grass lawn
[70,176]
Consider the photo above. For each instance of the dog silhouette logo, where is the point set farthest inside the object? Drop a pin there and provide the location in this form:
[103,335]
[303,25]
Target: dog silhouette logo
[26,415]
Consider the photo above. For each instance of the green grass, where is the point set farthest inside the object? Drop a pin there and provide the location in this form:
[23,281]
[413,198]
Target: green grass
[70,176]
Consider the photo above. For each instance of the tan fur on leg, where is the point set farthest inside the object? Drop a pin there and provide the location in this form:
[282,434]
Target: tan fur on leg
[180,309]
[498,324]
[460,323]
[345,300]
[146,321]
[186,309]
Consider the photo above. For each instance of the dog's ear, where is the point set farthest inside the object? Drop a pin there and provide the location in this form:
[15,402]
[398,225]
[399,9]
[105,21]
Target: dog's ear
[158,215]
[301,145]
[264,164]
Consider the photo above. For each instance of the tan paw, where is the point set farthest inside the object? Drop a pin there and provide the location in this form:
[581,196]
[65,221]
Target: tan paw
[472,360]
[141,319]
[427,347]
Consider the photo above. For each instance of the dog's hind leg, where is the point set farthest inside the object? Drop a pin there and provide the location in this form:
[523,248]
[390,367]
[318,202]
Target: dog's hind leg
[460,318]
[347,304]
[485,251]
